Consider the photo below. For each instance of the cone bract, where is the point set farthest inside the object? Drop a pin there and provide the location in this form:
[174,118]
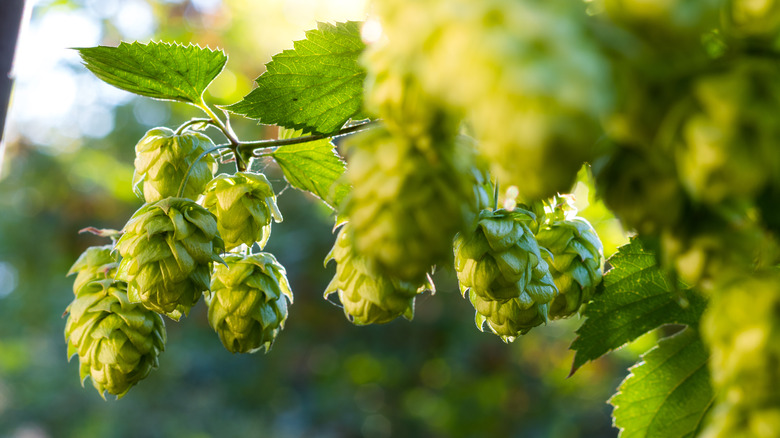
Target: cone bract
[368,296]
[167,249]
[162,160]
[244,204]
[118,342]
[248,301]
[95,263]
[500,265]
[575,259]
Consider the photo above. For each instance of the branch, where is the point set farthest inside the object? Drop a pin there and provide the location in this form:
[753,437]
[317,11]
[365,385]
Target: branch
[265,145]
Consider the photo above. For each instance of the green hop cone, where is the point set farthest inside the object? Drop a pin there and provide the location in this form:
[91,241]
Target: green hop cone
[368,296]
[162,160]
[244,204]
[118,342]
[410,196]
[248,301]
[167,249]
[499,264]
[575,257]
[742,328]
[95,263]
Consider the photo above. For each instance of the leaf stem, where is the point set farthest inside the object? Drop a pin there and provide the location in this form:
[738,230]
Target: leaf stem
[183,184]
[228,133]
[191,122]
[495,196]
[262,148]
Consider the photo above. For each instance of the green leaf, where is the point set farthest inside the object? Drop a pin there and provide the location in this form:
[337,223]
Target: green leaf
[636,297]
[316,87]
[159,70]
[313,166]
[668,394]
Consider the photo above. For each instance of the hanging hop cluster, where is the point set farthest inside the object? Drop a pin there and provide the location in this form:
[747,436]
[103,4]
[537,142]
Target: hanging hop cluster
[248,301]
[499,264]
[367,295]
[162,159]
[168,248]
[745,354]
[118,342]
[244,204]
[574,254]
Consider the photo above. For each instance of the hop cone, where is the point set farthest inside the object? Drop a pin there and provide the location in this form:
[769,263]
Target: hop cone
[575,258]
[167,250]
[118,342]
[409,198]
[243,204]
[742,328]
[162,160]
[368,297]
[248,301]
[96,263]
[500,264]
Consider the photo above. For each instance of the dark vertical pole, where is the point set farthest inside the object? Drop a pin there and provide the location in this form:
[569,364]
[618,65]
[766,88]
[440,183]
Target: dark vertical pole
[10,21]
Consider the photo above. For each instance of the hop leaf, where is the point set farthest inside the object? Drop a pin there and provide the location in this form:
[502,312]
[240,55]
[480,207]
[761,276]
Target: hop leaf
[167,250]
[368,296]
[163,159]
[243,204]
[500,265]
[118,342]
[248,301]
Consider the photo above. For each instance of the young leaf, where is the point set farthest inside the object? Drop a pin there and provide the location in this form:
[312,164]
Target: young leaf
[668,394]
[315,87]
[637,297]
[313,166]
[159,70]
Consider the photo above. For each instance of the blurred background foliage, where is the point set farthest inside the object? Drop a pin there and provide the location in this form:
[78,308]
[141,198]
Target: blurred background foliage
[67,164]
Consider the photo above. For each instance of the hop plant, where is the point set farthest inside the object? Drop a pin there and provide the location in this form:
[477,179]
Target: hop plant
[167,248]
[744,356]
[499,264]
[575,257]
[409,198]
[368,296]
[95,263]
[163,158]
[248,301]
[118,342]
[244,204]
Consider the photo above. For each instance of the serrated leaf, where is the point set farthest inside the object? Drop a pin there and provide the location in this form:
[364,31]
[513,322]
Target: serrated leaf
[636,297]
[668,394]
[159,70]
[316,87]
[314,167]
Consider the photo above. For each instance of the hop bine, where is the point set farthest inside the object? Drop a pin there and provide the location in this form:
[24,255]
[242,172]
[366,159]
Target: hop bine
[162,160]
[243,204]
[248,301]
[167,249]
[118,342]
[368,296]
[499,264]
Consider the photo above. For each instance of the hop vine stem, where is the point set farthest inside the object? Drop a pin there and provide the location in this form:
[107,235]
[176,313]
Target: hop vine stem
[227,130]
[262,148]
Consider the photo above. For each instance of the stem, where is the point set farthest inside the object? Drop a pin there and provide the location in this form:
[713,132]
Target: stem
[267,146]
[183,184]
[495,196]
[227,132]
[191,122]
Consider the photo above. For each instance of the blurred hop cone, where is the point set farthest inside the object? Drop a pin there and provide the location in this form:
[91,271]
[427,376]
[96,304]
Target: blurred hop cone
[499,264]
[118,342]
[167,249]
[243,204]
[368,296]
[248,301]
[95,263]
[410,196]
[162,160]
[575,258]
[742,328]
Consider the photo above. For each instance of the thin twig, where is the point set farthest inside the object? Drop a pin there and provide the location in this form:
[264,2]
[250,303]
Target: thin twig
[261,148]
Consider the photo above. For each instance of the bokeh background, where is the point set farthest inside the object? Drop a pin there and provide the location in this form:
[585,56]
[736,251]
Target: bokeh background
[67,164]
